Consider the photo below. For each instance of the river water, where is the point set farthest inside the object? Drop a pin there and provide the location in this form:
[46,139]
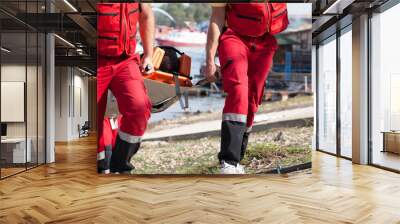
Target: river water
[196,104]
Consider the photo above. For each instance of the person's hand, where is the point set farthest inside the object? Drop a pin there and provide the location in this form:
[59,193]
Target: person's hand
[209,72]
[146,66]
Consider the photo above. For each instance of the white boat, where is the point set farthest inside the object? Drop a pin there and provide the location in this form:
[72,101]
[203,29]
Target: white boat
[183,38]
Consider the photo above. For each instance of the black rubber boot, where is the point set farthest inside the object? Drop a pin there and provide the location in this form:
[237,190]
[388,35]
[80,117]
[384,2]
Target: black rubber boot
[232,133]
[244,144]
[103,166]
[121,156]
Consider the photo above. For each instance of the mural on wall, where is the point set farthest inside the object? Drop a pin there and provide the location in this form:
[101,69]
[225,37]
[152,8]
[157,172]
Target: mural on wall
[173,108]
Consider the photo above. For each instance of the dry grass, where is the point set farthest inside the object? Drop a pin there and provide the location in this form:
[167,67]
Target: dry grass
[268,149]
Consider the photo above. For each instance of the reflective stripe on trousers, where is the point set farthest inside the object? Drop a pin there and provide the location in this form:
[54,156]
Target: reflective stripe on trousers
[238,118]
[129,138]
[101,155]
[234,117]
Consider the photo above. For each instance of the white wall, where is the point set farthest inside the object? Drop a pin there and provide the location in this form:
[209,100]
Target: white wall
[14,73]
[33,126]
[61,103]
[70,83]
[80,84]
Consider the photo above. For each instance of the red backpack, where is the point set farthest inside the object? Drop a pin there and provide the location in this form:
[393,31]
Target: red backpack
[116,28]
[256,19]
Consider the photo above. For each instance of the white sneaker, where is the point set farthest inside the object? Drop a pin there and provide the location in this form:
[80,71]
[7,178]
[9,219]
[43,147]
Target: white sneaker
[227,168]
[240,169]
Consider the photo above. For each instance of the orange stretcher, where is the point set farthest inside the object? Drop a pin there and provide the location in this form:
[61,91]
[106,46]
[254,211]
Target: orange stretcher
[169,78]
[165,88]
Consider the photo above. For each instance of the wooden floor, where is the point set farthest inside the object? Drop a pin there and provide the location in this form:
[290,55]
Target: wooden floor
[387,159]
[70,191]
[5,172]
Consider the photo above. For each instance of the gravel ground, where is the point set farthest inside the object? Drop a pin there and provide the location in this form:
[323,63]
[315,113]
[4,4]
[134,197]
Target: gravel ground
[268,149]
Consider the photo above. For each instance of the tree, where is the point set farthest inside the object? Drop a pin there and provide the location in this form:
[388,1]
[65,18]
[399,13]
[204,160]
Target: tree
[193,12]
[202,12]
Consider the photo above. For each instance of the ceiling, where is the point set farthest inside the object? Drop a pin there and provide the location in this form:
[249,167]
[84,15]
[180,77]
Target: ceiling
[328,15]
[74,22]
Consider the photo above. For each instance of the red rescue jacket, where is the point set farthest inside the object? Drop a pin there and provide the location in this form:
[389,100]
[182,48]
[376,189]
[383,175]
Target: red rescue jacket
[256,19]
[116,28]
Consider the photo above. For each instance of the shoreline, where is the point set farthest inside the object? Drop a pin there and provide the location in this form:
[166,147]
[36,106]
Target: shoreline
[198,116]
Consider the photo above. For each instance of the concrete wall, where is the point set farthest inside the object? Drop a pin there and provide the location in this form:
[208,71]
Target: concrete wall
[71,102]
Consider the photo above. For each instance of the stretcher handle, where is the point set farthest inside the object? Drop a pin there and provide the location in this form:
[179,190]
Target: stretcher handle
[204,81]
[148,68]
[184,106]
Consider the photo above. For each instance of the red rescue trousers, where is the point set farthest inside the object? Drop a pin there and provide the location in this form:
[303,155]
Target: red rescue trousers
[245,64]
[107,139]
[124,79]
